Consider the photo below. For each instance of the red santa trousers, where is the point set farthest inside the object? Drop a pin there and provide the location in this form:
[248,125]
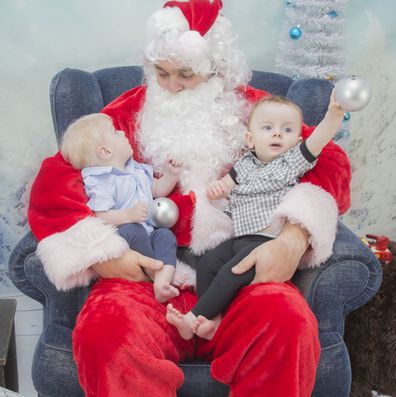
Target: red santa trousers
[266,345]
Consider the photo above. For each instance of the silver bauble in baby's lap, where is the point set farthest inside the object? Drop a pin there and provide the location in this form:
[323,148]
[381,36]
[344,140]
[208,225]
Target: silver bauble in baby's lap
[352,93]
[163,213]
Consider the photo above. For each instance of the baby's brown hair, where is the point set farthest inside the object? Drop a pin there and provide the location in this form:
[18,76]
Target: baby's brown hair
[280,100]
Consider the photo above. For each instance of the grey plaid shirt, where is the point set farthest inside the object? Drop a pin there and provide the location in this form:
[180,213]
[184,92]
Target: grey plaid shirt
[260,187]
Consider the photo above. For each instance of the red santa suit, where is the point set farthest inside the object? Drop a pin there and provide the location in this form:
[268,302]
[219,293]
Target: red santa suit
[267,343]
[70,235]
[113,325]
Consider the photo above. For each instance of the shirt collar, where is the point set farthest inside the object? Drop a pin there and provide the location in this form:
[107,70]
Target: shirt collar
[130,165]
[251,154]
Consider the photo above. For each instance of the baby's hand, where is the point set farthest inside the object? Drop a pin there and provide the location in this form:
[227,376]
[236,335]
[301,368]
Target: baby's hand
[334,108]
[138,213]
[216,190]
[173,166]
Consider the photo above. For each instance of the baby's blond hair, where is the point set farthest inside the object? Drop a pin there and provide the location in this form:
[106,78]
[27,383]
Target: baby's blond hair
[82,138]
[278,100]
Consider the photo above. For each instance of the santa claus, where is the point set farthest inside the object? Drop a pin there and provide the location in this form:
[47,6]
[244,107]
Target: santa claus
[189,45]
[193,108]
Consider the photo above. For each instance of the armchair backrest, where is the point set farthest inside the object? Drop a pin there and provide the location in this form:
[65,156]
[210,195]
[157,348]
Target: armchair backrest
[75,93]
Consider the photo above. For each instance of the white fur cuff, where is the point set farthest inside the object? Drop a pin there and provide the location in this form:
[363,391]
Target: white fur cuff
[313,208]
[67,256]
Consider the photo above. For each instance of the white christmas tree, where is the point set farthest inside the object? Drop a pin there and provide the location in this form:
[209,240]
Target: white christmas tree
[312,40]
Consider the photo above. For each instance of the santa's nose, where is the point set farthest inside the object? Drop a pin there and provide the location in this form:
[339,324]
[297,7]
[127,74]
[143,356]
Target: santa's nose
[174,85]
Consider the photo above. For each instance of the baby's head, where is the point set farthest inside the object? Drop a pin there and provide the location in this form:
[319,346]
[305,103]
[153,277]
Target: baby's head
[92,141]
[274,126]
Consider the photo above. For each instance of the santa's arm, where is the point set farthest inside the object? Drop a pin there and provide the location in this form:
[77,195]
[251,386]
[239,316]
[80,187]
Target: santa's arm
[71,238]
[278,259]
[314,210]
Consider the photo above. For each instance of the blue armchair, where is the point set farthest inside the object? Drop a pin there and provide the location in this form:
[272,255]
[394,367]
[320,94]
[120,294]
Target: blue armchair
[345,282]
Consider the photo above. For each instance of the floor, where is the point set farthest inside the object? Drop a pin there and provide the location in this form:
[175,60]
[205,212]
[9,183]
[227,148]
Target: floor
[28,326]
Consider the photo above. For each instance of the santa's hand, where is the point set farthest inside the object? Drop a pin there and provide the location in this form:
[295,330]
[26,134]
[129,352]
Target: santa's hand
[173,166]
[216,190]
[129,267]
[276,260]
[137,213]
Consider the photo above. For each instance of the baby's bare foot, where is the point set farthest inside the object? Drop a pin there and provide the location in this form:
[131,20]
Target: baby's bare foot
[205,328]
[180,321]
[164,291]
[180,279]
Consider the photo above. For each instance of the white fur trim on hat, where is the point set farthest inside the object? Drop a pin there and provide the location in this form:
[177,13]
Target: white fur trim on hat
[165,19]
[313,208]
[67,256]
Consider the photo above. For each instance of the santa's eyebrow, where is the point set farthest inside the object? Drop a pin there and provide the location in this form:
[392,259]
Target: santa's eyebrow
[179,71]
[160,69]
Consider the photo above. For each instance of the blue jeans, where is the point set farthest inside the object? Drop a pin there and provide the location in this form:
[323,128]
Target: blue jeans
[160,244]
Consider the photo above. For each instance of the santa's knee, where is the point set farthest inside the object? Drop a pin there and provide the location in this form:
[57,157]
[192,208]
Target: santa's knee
[283,308]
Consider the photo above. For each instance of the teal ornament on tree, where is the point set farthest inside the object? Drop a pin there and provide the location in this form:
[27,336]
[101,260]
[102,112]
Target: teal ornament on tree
[347,116]
[332,14]
[289,4]
[343,133]
[295,32]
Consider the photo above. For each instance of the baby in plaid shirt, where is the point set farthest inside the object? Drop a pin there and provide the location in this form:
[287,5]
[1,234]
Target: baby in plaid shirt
[256,185]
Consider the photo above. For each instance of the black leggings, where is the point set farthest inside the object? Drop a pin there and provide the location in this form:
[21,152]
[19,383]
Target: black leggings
[216,284]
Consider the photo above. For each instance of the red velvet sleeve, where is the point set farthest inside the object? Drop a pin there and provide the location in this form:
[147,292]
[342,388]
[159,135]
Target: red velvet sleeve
[57,199]
[332,172]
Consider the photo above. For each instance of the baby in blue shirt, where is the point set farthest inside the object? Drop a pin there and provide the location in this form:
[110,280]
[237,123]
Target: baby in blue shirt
[121,190]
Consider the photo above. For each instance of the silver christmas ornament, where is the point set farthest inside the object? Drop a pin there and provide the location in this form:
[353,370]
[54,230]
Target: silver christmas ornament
[163,213]
[353,93]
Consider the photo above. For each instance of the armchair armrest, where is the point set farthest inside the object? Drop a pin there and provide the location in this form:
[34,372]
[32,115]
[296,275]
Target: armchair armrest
[346,281]
[22,253]
[28,275]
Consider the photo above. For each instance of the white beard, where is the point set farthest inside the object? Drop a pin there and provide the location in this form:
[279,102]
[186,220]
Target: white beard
[203,128]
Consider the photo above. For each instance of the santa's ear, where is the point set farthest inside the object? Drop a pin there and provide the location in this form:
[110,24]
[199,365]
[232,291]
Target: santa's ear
[103,153]
[249,139]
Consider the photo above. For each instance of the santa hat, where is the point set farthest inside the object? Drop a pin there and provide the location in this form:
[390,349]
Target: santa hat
[200,14]
[195,34]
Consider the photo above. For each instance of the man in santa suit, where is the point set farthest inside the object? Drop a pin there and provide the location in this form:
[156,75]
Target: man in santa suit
[193,107]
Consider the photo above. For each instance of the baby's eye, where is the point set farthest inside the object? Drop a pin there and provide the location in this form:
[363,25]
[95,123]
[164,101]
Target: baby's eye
[288,129]
[267,127]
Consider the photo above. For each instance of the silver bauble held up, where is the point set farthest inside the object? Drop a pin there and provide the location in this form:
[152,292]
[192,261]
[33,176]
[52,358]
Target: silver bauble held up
[352,93]
[163,213]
